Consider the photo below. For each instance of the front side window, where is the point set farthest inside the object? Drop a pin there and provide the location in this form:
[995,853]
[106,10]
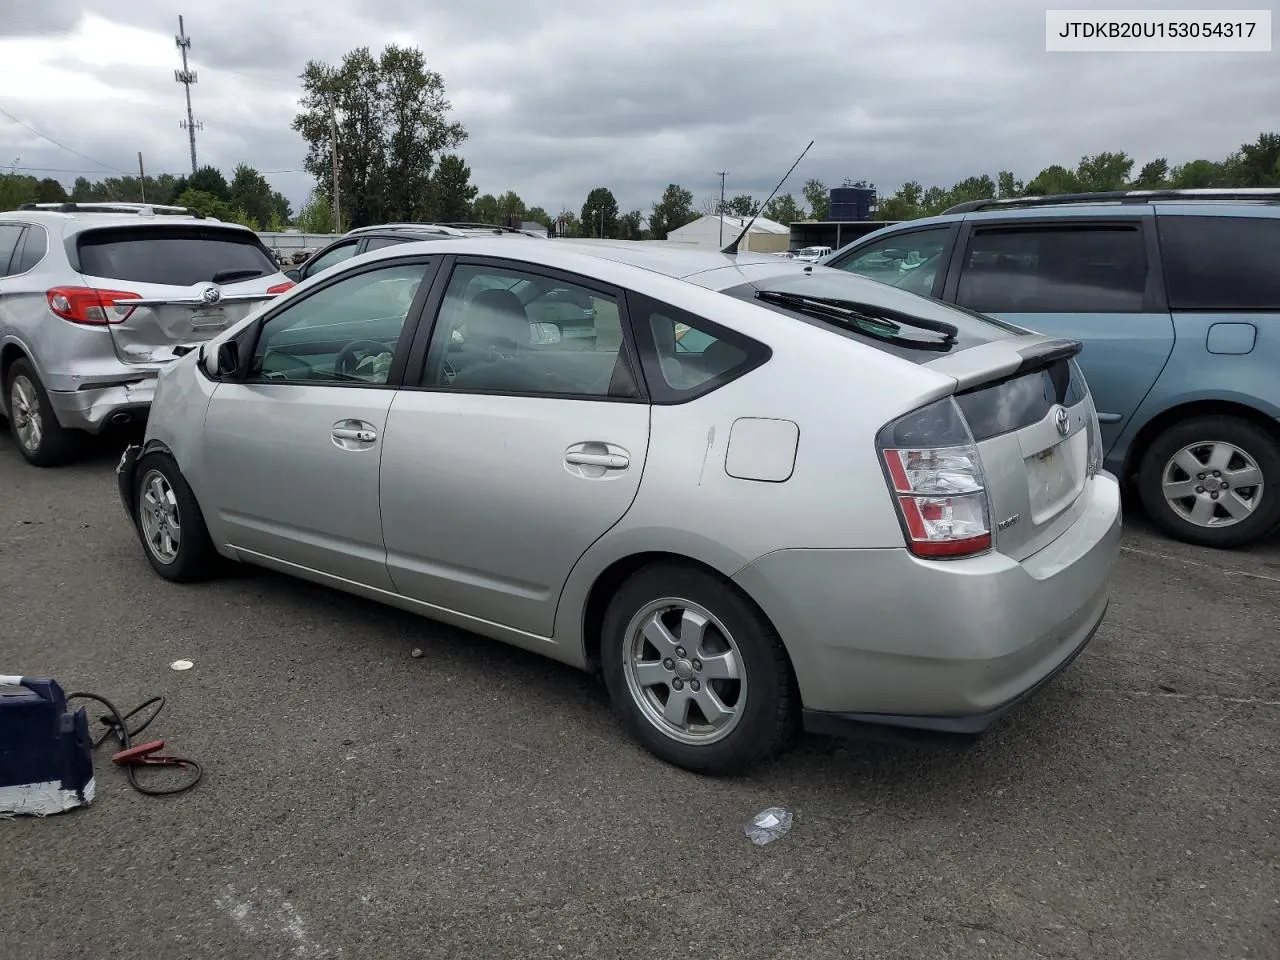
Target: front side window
[908,260]
[1221,263]
[347,332]
[331,256]
[503,330]
[1072,269]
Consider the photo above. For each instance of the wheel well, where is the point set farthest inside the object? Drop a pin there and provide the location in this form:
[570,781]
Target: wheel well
[8,357]
[615,575]
[1201,408]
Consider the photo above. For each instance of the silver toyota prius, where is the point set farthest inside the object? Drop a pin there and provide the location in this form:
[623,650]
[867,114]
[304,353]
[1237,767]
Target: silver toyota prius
[755,494]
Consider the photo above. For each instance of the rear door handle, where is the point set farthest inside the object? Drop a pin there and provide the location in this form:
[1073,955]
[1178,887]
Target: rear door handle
[610,461]
[354,434]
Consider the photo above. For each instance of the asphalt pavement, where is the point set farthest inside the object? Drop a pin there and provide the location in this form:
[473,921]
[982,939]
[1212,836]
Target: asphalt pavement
[478,801]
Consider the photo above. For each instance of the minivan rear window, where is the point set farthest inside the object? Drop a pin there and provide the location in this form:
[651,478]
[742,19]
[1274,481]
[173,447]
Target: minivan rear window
[176,256]
[1221,263]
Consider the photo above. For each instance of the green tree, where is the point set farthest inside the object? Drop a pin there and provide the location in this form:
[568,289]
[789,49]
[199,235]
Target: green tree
[600,213]
[207,203]
[784,210]
[972,188]
[1053,180]
[567,224]
[1153,176]
[509,206]
[1198,174]
[250,193]
[281,209]
[50,190]
[744,205]
[903,205]
[316,215]
[631,225]
[452,191]
[673,211]
[17,189]
[537,215]
[486,209]
[1008,186]
[392,122]
[818,198]
[1104,171]
[1259,162]
[208,180]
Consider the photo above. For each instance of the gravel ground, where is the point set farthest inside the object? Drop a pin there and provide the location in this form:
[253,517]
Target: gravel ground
[481,802]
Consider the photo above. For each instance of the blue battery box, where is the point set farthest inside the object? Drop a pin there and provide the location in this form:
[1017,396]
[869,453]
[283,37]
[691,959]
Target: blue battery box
[46,756]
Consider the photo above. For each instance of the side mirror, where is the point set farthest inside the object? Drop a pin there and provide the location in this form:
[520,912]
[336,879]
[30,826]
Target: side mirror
[294,275]
[228,358]
[544,333]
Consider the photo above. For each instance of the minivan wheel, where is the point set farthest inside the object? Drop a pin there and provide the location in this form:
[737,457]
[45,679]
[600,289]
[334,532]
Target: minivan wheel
[695,671]
[41,438]
[1213,481]
[169,521]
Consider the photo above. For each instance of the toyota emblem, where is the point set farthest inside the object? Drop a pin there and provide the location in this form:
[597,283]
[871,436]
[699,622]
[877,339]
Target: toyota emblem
[1062,422]
[211,294]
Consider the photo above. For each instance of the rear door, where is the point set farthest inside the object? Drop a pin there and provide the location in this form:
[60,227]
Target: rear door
[512,454]
[165,285]
[1097,281]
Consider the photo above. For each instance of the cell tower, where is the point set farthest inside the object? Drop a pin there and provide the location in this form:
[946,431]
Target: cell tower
[187,77]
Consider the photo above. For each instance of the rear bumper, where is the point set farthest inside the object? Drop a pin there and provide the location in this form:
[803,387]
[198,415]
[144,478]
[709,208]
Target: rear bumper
[879,637]
[126,482]
[92,408]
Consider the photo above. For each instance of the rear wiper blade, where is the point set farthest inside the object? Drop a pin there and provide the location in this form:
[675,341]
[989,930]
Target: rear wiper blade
[873,320]
[229,276]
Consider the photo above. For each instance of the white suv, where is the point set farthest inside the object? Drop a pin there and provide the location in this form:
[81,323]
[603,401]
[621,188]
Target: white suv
[95,298]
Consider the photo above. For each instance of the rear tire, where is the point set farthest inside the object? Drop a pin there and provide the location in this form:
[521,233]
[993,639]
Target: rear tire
[696,672]
[1195,459]
[169,522]
[41,439]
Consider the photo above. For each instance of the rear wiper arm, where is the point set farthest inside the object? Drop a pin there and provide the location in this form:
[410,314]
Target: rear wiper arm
[229,276]
[872,320]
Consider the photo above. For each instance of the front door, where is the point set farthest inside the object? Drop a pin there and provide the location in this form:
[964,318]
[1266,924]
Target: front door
[516,452]
[1087,281]
[293,449]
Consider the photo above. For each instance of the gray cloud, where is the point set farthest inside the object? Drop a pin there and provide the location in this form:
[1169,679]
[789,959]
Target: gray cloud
[559,98]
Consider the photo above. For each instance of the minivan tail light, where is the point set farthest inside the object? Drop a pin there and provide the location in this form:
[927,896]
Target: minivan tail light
[91,306]
[935,474]
[281,287]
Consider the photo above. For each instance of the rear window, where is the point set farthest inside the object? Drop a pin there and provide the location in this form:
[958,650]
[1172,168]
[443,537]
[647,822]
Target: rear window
[175,256]
[998,408]
[972,329]
[1221,263]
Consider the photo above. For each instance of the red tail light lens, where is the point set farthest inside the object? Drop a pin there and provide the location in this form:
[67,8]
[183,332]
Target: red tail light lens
[935,473]
[281,287]
[90,305]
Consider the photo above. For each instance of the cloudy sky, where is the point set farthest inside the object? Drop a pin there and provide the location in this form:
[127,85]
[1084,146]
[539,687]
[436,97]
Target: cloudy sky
[562,95]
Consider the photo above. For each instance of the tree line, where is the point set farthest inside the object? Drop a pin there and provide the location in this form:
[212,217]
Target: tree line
[385,120]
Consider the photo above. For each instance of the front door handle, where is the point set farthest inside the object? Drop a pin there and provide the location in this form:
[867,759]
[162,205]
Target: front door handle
[358,434]
[610,461]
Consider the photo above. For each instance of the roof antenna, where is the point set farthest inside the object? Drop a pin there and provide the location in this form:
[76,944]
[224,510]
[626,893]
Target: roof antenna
[733,247]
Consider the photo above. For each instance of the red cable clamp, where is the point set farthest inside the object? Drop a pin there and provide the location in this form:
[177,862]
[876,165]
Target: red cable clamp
[146,754]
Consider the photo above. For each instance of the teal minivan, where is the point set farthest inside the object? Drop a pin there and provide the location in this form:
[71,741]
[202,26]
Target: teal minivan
[1175,295]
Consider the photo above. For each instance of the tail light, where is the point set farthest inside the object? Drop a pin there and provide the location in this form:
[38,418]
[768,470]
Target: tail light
[1095,444]
[90,305]
[935,474]
[281,287]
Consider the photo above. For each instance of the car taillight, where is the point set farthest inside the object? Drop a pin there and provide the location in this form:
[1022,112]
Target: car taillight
[935,474]
[90,305]
[1095,444]
[281,287]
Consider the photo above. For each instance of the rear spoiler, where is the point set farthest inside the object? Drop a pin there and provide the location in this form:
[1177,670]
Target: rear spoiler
[1003,359]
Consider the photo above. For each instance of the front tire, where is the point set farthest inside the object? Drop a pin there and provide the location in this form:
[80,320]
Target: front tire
[42,440]
[169,522]
[696,672]
[1213,481]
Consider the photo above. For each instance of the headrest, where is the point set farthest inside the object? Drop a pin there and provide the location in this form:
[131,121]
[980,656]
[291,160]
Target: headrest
[498,316]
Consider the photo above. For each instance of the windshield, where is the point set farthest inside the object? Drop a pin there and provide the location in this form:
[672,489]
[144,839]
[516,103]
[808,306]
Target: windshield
[971,328]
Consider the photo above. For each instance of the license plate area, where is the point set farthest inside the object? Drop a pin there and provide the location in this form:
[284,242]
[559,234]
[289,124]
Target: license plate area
[214,319]
[1055,477]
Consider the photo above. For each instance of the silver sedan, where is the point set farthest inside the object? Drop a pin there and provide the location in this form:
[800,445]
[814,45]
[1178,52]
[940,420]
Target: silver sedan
[755,494]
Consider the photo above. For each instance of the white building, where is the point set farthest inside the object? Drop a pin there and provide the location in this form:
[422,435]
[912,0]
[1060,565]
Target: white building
[765,236]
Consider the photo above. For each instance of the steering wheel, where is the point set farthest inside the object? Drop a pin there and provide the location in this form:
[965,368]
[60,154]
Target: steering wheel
[346,361]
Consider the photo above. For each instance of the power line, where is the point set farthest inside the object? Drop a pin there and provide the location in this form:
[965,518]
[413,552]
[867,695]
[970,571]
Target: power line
[58,143]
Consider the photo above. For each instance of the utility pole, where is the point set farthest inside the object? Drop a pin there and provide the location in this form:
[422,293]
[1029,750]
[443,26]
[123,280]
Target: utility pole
[337,196]
[142,178]
[723,174]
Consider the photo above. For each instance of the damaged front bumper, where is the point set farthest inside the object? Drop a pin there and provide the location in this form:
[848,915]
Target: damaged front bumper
[126,477]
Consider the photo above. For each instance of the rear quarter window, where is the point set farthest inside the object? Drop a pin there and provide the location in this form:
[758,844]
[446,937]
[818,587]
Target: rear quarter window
[1221,263]
[176,256]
